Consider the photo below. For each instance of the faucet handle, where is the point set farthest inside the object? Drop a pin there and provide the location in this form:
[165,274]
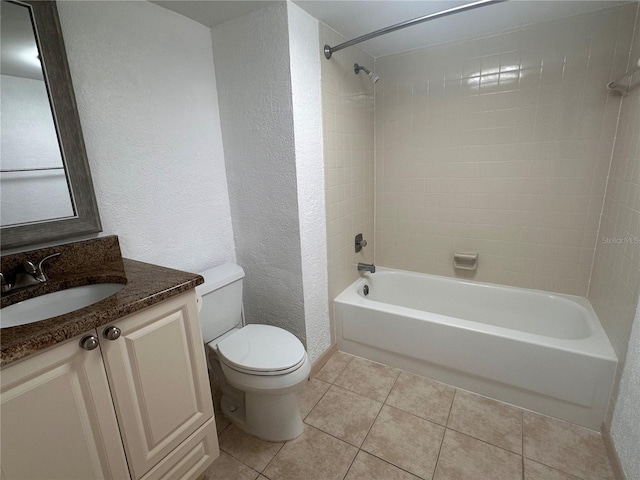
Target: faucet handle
[360,243]
[29,267]
[5,286]
[39,272]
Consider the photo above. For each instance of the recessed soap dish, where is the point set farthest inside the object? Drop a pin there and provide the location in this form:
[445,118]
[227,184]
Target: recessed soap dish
[465,260]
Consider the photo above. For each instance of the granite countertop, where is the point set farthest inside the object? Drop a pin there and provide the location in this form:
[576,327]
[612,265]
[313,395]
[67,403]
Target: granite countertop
[145,285]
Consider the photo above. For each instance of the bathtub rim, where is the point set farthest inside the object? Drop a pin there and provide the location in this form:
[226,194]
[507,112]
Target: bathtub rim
[595,345]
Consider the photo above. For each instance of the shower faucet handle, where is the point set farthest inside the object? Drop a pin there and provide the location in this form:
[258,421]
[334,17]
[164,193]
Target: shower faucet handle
[360,243]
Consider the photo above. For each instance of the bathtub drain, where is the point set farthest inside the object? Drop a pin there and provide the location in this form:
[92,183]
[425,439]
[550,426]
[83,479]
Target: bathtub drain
[365,290]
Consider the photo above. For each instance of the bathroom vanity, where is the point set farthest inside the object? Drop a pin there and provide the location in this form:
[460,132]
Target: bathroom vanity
[118,389]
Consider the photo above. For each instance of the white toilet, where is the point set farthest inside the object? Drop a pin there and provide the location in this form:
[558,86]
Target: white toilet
[260,367]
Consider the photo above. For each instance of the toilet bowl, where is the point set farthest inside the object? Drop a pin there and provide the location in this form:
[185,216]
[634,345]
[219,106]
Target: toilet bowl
[260,367]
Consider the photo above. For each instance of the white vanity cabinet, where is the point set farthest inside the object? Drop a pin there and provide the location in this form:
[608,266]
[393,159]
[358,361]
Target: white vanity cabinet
[141,399]
[57,420]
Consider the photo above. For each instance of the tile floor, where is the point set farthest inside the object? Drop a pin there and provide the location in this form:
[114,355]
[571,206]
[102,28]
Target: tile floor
[367,421]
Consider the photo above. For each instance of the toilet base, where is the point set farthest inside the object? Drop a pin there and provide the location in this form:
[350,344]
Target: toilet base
[283,421]
[268,416]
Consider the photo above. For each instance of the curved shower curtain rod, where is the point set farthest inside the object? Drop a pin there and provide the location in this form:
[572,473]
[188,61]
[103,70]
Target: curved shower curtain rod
[328,51]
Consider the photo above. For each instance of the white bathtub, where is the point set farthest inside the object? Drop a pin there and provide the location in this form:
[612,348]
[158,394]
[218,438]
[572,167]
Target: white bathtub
[540,351]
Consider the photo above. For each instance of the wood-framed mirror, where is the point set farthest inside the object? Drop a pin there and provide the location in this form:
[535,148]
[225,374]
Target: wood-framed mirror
[46,188]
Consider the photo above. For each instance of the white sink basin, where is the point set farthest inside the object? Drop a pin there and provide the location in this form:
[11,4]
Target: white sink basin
[56,303]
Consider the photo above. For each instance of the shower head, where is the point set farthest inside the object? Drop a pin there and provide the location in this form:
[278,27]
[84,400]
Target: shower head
[374,78]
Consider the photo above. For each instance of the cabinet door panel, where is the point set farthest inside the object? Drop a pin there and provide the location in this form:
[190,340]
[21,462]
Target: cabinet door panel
[57,419]
[158,377]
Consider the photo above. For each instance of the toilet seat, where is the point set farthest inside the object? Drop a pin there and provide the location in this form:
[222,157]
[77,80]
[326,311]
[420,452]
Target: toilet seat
[262,350]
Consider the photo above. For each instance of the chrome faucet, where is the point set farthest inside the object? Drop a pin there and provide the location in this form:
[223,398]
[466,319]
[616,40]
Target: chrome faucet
[39,273]
[367,267]
[30,275]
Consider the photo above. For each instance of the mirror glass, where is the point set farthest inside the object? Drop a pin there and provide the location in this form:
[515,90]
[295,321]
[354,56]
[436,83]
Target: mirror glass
[33,181]
[46,191]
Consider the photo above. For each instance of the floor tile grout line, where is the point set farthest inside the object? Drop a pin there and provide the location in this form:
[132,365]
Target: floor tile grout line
[358,393]
[483,441]
[351,464]
[579,477]
[337,438]
[374,399]
[522,441]
[225,428]
[317,402]
[382,404]
[343,369]
[246,464]
[240,461]
[446,423]
[243,462]
[417,416]
[435,467]
[272,458]
[360,449]
[395,380]
[353,393]
[381,407]
[392,464]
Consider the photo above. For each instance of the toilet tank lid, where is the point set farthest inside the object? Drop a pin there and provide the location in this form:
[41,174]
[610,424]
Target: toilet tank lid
[220,276]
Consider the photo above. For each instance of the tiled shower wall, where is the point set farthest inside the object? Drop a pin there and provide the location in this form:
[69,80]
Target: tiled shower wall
[501,146]
[347,115]
[615,281]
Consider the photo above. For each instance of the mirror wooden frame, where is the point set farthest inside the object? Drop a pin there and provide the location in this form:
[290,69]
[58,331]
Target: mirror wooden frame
[60,88]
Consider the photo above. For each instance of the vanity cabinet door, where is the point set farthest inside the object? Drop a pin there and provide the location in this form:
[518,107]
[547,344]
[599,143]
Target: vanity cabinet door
[158,376]
[57,419]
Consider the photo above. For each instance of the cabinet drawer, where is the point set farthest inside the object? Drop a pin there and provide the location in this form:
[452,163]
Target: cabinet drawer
[191,458]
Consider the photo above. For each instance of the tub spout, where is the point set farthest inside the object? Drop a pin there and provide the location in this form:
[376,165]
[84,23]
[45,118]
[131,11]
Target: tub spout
[367,267]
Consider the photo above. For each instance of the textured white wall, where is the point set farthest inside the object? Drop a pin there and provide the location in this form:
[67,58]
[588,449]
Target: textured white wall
[145,85]
[625,428]
[307,126]
[251,54]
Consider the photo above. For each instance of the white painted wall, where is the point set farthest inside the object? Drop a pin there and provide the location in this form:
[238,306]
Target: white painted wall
[251,54]
[307,125]
[144,81]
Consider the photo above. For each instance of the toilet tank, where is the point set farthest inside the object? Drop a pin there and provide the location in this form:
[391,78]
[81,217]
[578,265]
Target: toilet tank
[220,300]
